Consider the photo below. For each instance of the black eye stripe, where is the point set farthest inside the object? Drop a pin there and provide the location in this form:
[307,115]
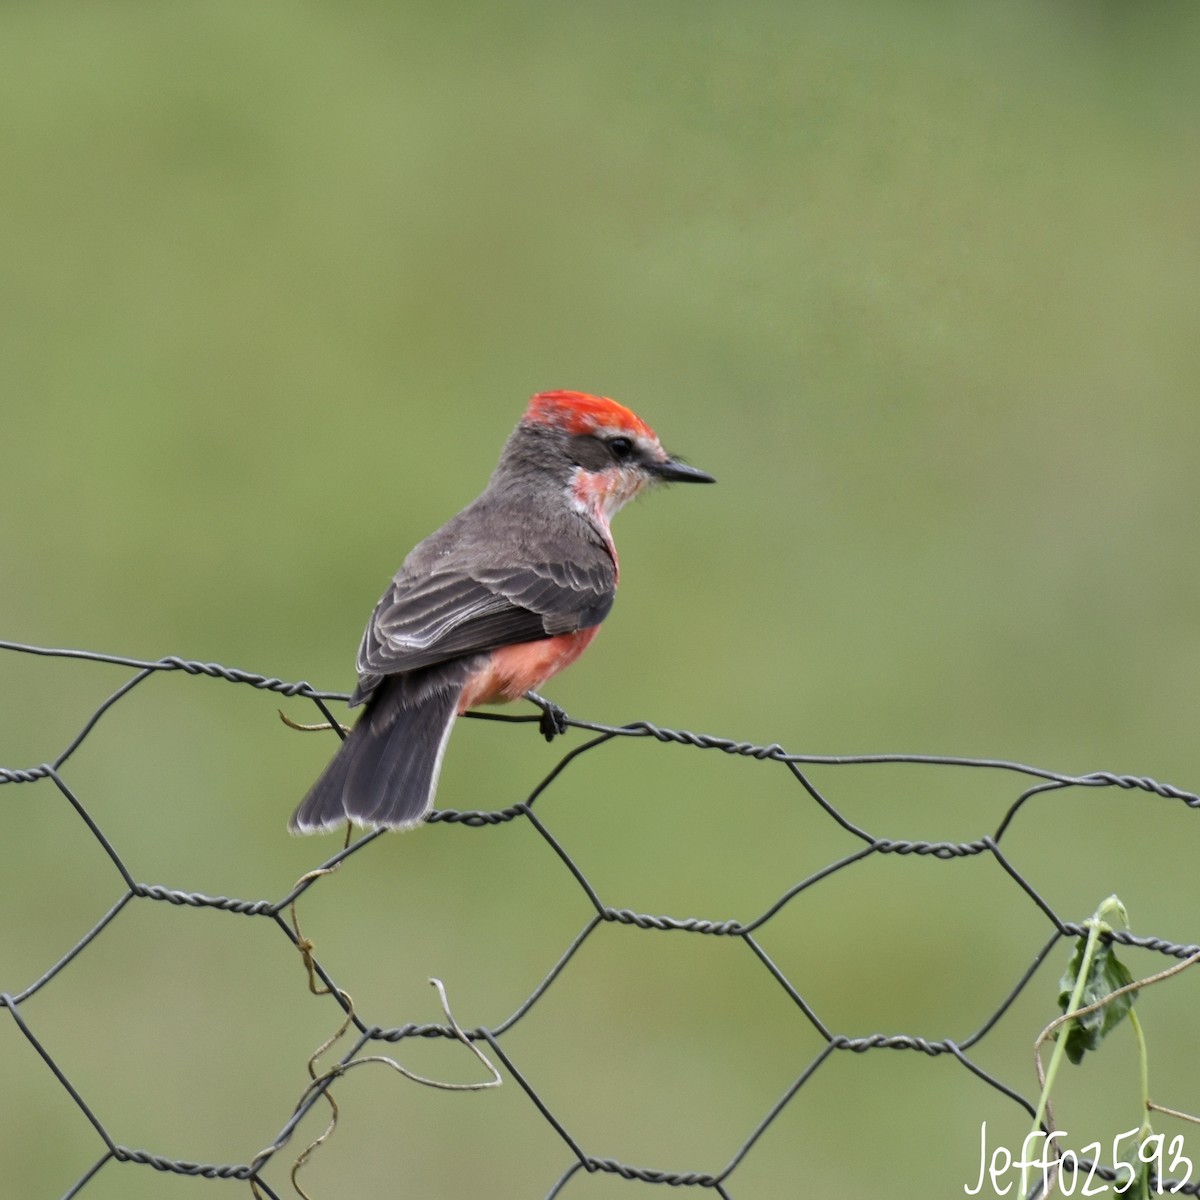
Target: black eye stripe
[597,452]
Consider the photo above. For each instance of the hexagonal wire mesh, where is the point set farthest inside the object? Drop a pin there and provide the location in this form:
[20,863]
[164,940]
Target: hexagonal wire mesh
[366,1039]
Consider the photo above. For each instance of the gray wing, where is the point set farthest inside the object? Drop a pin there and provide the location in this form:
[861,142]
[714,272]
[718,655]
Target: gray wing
[424,619]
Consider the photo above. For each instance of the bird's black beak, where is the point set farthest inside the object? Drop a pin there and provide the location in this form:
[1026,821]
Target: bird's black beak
[674,471]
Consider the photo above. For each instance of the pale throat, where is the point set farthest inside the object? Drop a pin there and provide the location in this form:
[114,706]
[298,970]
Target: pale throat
[601,494]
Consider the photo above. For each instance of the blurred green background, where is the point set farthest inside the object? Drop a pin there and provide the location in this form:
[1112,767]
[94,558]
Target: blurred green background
[919,284]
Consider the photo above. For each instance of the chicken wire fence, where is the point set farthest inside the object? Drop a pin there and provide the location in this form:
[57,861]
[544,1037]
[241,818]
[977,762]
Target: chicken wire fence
[367,1042]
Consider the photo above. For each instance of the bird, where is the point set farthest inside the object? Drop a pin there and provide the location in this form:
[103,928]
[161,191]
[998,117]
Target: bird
[486,609]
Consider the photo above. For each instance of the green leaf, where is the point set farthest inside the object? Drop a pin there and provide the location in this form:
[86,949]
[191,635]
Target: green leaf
[1138,1188]
[1106,973]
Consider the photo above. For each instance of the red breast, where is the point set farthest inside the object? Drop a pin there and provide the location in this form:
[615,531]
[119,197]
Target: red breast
[512,671]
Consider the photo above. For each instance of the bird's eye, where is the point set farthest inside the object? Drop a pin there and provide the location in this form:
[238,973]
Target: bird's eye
[621,448]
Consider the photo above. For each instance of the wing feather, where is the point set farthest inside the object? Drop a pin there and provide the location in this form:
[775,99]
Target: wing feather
[426,619]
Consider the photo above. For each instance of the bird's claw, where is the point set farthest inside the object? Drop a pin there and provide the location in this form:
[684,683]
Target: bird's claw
[554,719]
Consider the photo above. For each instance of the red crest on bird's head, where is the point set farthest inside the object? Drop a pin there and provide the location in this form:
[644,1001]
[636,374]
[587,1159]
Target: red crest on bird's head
[579,413]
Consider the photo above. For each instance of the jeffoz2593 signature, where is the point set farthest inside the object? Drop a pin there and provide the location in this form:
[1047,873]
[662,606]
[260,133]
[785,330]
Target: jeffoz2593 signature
[1039,1153]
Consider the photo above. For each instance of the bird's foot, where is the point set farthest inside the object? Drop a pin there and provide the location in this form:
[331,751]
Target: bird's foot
[554,719]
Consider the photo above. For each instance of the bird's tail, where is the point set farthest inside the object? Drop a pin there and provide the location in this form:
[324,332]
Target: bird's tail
[386,771]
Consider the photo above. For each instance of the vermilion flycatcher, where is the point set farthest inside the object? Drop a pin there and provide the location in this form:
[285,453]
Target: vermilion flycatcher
[504,595]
